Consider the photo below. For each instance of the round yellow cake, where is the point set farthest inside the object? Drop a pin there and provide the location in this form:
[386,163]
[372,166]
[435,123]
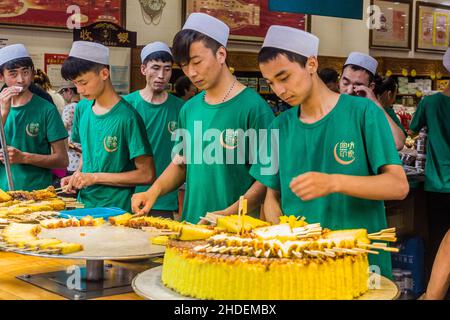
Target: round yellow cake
[207,275]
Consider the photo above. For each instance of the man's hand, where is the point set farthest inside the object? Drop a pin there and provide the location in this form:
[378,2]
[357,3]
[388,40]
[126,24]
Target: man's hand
[67,185]
[312,185]
[15,156]
[363,91]
[6,97]
[78,181]
[142,203]
[84,180]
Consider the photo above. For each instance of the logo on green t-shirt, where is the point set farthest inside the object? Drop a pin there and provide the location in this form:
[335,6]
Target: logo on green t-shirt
[229,139]
[172,126]
[110,144]
[32,129]
[344,153]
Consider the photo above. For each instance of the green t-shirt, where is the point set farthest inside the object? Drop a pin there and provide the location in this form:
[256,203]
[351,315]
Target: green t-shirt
[390,111]
[353,139]
[434,113]
[217,172]
[110,143]
[32,128]
[161,121]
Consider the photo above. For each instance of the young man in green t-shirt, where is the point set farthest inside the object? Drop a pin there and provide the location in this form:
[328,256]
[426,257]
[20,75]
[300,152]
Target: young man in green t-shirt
[386,93]
[358,79]
[433,112]
[211,126]
[159,109]
[34,131]
[116,154]
[336,156]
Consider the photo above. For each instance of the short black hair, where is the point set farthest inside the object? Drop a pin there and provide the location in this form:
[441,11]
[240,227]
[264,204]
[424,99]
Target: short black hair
[16,64]
[328,75]
[383,85]
[267,54]
[182,85]
[74,67]
[74,90]
[161,56]
[358,68]
[182,44]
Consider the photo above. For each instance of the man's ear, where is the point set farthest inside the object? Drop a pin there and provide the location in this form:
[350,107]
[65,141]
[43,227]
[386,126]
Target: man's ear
[312,65]
[104,73]
[372,86]
[221,55]
[143,67]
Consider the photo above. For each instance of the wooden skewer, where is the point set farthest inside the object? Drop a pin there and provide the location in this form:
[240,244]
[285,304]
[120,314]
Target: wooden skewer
[155,229]
[390,230]
[328,253]
[280,253]
[74,204]
[61,188]
[379,244]
[388,239]
[392,235]
[224,249]
[351,251]
[69,200]
[311,253]
[366,251]
[242,211]
[384,231]
[370,246]
[384,248]
[202,248]
[391,249]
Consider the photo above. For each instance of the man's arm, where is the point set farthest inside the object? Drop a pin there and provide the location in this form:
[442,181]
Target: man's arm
[57,159]
[397,132]
[272,206]
[142,175]
[391,184]
[440,275]
[172,178]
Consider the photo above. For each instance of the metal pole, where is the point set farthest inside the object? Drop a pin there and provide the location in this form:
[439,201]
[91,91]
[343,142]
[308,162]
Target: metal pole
[94,270]
[5,155]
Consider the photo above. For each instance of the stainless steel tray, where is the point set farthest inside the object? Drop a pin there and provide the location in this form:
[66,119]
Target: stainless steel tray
[101,243]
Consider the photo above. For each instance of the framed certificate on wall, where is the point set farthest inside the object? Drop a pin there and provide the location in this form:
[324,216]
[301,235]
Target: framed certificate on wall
[432,27]
[394,28]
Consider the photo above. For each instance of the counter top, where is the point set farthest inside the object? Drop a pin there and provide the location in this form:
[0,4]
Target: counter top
[13,265]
